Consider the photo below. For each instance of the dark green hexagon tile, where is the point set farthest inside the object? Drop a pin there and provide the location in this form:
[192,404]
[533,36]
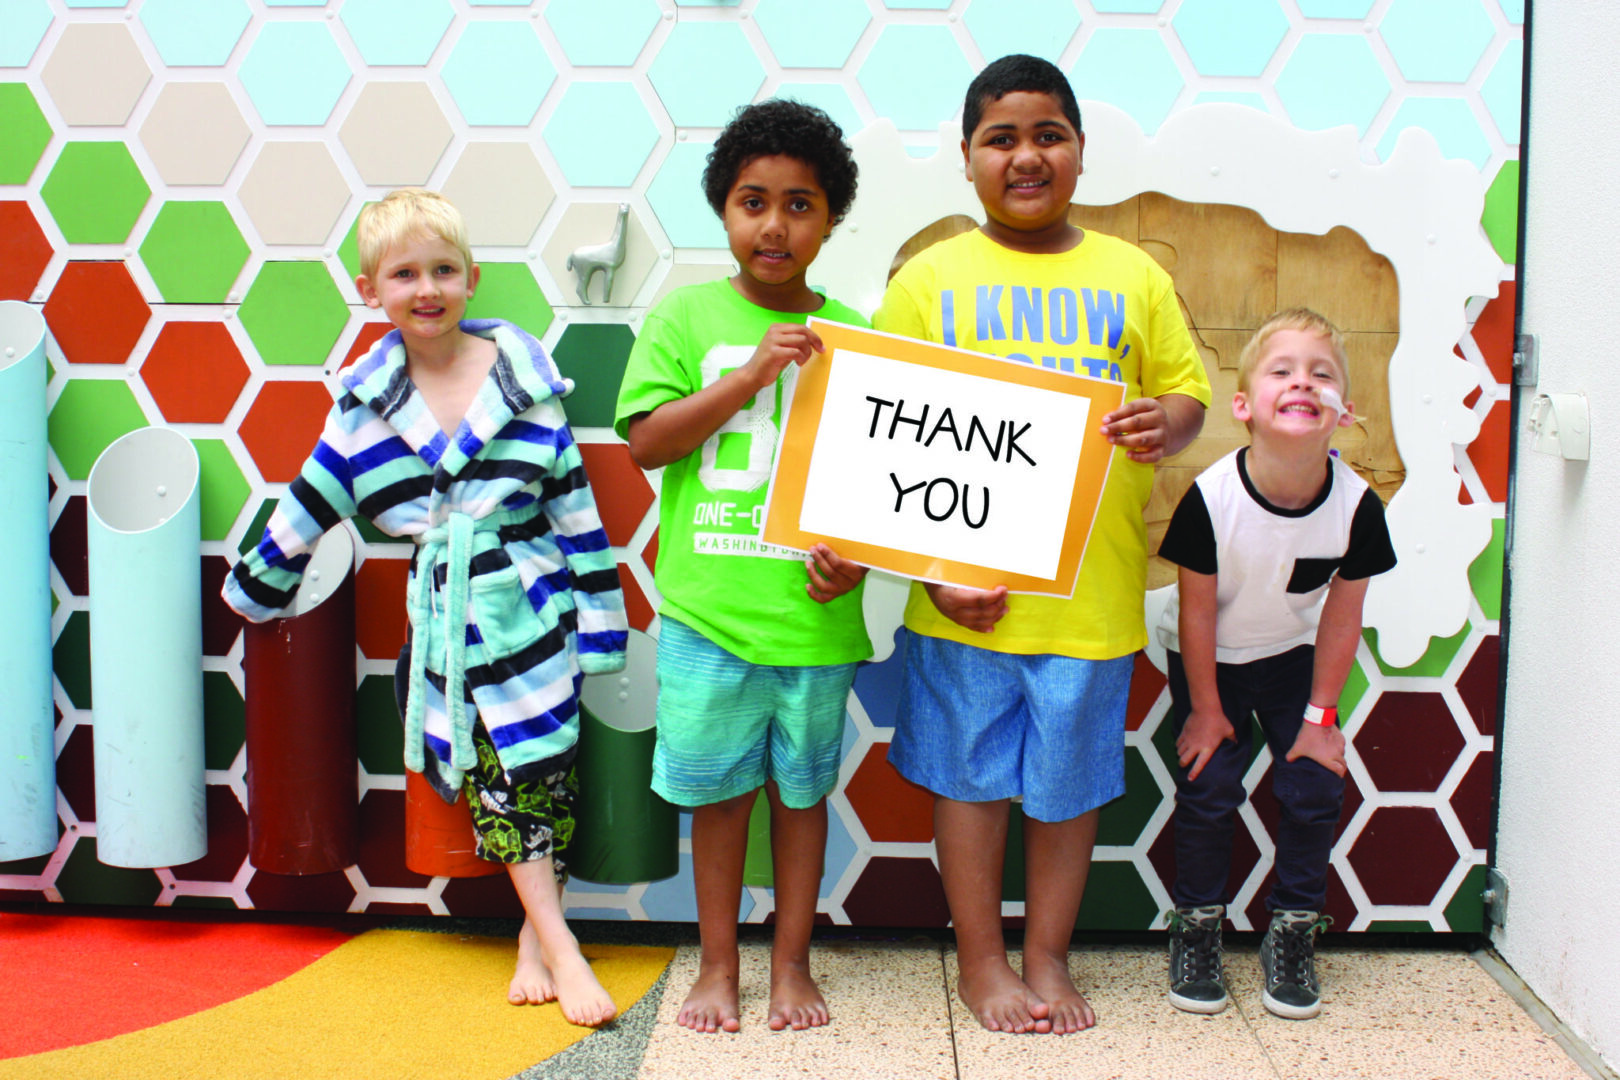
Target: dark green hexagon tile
[1116,899]
[223,489]
[594,356]
[255,530]
[95,191]
[24,133]
[509,291]
[294,312]
[224,720]
[194,252]
[381,736]
[1465,913]
[1123,820]
[86,880]
[88,416]
[70,659]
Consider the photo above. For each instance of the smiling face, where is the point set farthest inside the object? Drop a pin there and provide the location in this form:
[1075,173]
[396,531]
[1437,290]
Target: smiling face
[422,284]
[776,218]
[1296,388]
[1024,159]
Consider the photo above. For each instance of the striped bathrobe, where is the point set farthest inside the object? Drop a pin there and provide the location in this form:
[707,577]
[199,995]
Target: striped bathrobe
[513,592]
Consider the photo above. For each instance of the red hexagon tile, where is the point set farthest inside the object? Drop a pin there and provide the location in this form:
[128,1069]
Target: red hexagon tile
[649,554]
[891,808]
[637,607]
[370,333]
[872,899]
[1147,683]
[24,251]
[76,772]
[1403,855]
[282,425]
[1489,452]
[1266,806]
[1472,800]
[489,897]
[1339,907]
[379,607]
[382,841]
[623,495]
[70,546]
[194,372]
[96,313]
[1245,854]
[1409,741]
[1493,332]
[220,625]
[1478,684]
[227,839]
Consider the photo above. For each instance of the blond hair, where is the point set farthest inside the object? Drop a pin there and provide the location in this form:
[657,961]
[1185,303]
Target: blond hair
[1294,318]
[404,215]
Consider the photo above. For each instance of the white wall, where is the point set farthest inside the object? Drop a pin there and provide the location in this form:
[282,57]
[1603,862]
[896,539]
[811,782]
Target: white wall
[1559,838]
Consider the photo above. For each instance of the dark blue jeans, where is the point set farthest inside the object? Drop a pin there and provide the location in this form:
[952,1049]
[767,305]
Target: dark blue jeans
[1275,690]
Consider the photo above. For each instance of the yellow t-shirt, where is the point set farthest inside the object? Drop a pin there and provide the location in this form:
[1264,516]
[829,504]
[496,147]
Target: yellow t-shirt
[1106,309]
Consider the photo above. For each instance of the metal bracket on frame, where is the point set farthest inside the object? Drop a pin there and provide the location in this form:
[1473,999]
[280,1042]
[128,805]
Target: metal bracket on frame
[1526,360]
[1495,896]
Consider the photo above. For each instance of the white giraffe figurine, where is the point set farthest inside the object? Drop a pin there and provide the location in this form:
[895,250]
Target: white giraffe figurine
[586,261]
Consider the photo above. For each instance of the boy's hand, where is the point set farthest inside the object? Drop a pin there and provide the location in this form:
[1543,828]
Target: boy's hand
[783,344]
[831,575]
[1142,427]
[975,609]
[1200,737]
[1323,745]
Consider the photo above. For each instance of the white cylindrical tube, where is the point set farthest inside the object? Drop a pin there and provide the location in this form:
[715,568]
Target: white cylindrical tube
[27,721]
[146,651]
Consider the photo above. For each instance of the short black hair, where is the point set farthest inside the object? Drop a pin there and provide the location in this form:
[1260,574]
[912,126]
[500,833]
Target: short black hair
[789,128]
[1017,73]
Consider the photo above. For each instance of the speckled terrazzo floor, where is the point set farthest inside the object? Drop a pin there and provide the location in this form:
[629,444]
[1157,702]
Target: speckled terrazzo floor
[1389,1013]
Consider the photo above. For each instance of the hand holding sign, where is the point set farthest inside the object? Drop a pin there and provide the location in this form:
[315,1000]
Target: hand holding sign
[976,609]
[783,344]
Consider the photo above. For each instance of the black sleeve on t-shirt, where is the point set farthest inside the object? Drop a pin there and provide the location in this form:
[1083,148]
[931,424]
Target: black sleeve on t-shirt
[1190,539]
[1370,551]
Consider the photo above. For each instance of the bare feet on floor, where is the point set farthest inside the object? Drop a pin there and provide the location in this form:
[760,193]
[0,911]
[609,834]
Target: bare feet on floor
[796,1002]
[532,982]
[711,1004]
[1048,976]
[582,998]
[1000,1000]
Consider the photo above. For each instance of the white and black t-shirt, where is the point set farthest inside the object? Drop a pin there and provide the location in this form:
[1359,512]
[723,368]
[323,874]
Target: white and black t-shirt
[1273,565]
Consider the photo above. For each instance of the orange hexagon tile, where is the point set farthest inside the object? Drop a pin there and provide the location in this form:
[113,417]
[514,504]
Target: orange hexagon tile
[96,313]
[24,251]
[379,607]
[1489,452]
[892,808]
[194,372]
[282,425]
[370,333]
[1493,332]
[649,554]
[623,495]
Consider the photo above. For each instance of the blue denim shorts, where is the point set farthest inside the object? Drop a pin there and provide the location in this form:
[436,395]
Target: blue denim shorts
[725,725]
[976,726]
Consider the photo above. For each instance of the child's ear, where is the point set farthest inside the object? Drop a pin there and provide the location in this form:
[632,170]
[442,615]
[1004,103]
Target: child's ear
[363,285]
[1347,418]
[1240,407]
[967,161]
[472,280]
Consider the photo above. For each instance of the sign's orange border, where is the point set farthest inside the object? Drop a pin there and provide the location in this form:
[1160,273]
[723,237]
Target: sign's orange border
[786,500]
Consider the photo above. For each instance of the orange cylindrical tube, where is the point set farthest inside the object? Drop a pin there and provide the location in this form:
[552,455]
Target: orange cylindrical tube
[439,840]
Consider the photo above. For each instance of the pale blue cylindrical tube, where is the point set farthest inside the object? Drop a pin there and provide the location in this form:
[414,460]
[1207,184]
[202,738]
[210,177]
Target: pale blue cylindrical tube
[27,721]
[146,651]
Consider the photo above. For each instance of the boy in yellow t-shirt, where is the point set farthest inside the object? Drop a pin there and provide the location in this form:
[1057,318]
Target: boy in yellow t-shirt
[1010,696]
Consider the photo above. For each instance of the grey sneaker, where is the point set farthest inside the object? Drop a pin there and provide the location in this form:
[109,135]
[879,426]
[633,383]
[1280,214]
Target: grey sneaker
[1197,984]
[1288,964]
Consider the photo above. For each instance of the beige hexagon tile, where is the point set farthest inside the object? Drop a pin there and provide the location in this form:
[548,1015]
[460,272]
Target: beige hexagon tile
[588,226]
[96,74]
[501,190]
[293,193]
[194,133]
[683,274]
[396,133]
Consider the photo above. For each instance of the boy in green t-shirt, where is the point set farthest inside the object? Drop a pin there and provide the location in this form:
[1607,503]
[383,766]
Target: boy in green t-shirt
[753,675]
[1009,696]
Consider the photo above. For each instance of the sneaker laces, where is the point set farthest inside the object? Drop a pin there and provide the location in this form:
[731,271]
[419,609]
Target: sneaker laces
[1295,950]
[1200,953]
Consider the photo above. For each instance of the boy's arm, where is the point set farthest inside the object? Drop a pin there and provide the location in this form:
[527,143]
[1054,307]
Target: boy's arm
[1207,725]
[1337,633]
[831,575]
[602,631]
[1153,428]
[678,427]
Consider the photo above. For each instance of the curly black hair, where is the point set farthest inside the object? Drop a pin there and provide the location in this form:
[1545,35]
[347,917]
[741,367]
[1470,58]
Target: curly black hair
[1014,74]
[790,128]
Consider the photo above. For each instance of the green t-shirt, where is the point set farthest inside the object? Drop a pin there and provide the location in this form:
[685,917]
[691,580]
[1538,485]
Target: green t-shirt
[713,571]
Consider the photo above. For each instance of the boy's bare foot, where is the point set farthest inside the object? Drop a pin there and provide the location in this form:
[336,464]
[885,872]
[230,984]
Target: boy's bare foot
[1000,1000]
[532,981]
[1048,976]
[711,1004]
[582,998]
[796,1001]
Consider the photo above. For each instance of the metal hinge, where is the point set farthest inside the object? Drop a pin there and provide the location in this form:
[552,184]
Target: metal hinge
[1526,360]
[1495,897]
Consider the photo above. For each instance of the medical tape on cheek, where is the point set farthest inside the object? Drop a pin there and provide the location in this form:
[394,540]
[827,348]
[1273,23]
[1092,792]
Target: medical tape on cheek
[1330,397]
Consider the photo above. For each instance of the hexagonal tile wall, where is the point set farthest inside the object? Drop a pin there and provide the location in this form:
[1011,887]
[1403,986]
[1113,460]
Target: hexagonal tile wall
[86,419]
[509,291]
[587,109]
[95,192]
[194,372]
[22,25]
[194,32]
[294,73]
[498,73]
[1436,40]
[585,226]
[602,33]
[1132,69]
[394,33]
[95,74]
[1345,64]
[1038,27]
[395,133]
[915,75]
[24,251]
[194,133]
[501,190]
[723,51]
[282,424]
[24,133]
[96,313]
[1230,37]
[194,252]
[294,313]
[294,193]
